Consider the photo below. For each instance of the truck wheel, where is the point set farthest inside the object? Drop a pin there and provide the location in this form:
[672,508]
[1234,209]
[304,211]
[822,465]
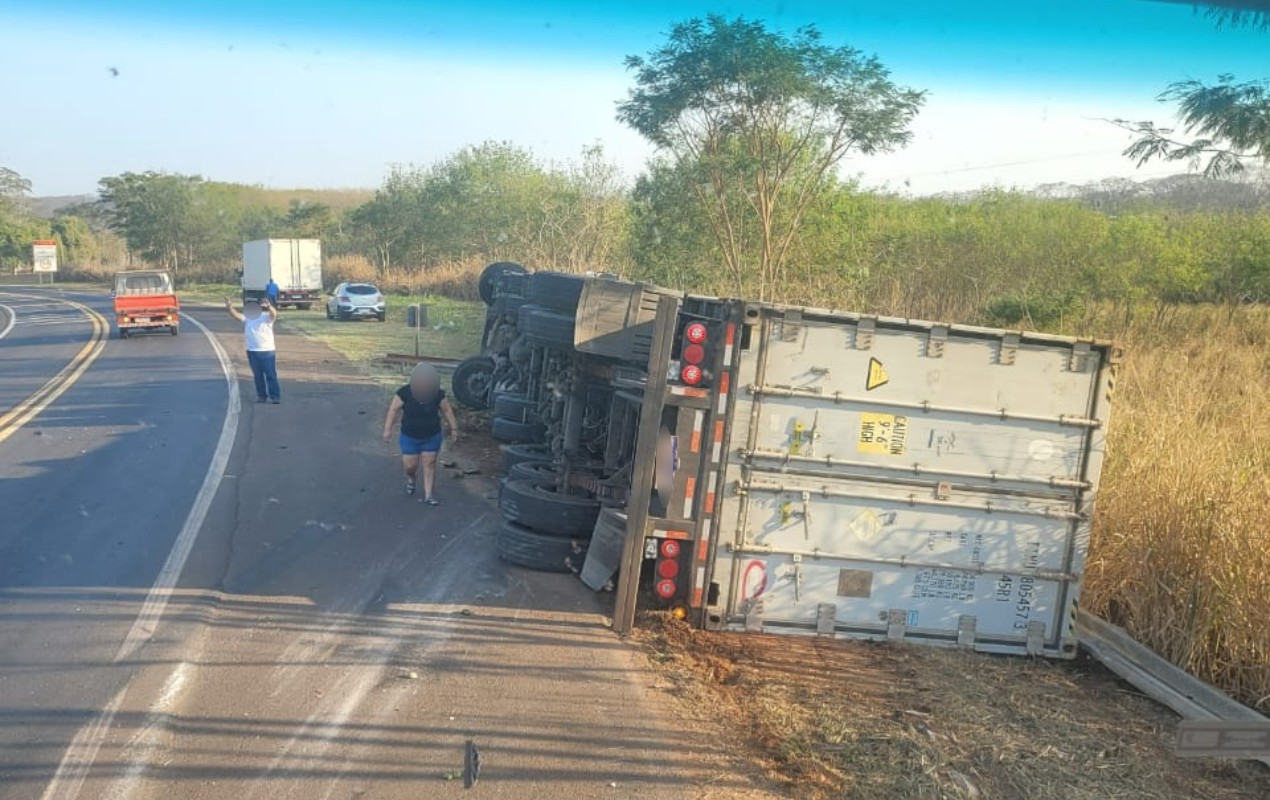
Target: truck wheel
[518,545]
[174,330]
[539,507]
[471,382]
[516,407]
[509,431]
[534,472]
[550,328]
[520,453]
[123,333]
[558,291]
[491,275]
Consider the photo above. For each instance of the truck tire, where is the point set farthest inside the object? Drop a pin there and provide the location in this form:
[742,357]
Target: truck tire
[491,275]
[518,545]
[558,291]
[509,431]
[547,327]
[471,382]
[520,453]
[516,407]
[174,330]
[534,472]
[539,507]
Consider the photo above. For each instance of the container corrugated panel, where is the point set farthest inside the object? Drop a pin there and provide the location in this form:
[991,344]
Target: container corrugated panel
[894,479]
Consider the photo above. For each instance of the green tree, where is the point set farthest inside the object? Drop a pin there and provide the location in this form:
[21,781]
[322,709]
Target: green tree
[17,227]
[151,211]
[1224,125]
[764,118]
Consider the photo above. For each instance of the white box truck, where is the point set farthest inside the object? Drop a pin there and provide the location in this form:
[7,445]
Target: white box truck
[796,470]
[294,264]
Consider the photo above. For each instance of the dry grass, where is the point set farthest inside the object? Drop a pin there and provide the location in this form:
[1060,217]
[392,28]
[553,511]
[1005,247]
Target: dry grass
[1181,555]
[456,280]
[848,719]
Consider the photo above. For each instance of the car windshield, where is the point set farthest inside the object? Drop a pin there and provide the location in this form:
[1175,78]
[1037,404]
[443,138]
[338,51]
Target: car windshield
[360,288]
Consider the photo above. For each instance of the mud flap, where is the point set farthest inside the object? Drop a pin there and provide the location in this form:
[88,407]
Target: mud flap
[605,553]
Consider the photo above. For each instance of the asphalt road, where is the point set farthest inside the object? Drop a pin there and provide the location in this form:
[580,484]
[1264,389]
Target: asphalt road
[328,637]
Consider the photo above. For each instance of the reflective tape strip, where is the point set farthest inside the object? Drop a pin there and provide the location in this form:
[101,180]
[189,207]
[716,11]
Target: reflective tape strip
[703,550]
[697,596]
[710,487]
[716,453]
[685,391]
[723,392]
[690,487]
[662,534]
[728,339]
[699,580]
[694,444]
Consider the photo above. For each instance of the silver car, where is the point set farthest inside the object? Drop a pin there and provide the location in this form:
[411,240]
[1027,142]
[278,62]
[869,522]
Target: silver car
[356,301]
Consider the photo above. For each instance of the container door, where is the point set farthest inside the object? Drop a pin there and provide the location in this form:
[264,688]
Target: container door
[923,482]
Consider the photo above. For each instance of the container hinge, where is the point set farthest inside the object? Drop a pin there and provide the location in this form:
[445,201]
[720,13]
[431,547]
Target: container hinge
[753,620]
[1009,349]
[798,577]
[1080,357]
[938,338]
[790,325]
[896,623]
[864,331]
[1035,637]
[966,630]
[826,615]
[943,490]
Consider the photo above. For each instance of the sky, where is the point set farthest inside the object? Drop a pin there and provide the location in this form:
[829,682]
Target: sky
[331,94]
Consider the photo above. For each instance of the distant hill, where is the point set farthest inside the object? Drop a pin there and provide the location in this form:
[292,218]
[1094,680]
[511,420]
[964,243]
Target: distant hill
[339,199]
[47,207]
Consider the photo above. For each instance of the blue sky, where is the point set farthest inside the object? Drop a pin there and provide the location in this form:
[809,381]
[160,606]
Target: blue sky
[328,94]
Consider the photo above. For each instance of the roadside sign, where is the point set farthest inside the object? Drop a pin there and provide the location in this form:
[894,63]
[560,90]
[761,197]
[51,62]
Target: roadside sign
[1213,738]
[44,255]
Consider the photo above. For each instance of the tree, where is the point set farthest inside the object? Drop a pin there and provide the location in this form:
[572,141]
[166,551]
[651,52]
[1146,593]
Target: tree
[1224,125]
[151,210]
[765,118]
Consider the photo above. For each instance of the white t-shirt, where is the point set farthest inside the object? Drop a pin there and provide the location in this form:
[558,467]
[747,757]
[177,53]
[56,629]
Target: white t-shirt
[259,334]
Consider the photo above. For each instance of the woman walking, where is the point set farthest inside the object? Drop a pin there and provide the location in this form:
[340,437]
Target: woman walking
[420,405]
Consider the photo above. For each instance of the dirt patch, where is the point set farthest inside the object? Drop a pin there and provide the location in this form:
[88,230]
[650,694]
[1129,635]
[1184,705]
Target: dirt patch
[827,718]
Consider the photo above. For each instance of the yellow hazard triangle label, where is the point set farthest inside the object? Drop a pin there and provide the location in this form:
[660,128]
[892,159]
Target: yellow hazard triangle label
[877,375]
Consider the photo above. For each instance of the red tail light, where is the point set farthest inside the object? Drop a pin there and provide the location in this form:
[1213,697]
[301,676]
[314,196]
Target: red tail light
[670,548]
[696,333]
[665,589]
[668,568]
[694,354]
[691,375]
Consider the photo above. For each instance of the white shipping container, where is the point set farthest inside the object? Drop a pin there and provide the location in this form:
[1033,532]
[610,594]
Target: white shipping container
[893,479]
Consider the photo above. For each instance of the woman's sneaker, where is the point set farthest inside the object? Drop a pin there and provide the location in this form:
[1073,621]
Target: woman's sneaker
[431,501]
[410,487]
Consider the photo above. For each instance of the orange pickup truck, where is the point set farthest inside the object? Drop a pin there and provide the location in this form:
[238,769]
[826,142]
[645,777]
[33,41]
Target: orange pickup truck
[145,300]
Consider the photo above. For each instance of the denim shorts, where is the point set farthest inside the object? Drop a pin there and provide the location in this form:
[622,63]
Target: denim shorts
[410,446]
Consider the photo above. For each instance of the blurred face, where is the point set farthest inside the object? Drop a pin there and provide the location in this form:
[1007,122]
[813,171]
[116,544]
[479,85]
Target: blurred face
[424,383]
[251,311]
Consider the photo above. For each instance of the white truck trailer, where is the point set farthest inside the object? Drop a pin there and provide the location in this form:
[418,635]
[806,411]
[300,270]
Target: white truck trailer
[806,471]
[294,264]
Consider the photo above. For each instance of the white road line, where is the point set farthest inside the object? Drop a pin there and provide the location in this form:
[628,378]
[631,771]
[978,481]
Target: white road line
[13,317]
[79,757]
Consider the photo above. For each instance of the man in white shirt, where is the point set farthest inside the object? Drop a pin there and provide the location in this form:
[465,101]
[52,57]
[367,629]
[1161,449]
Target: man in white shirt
[258,318]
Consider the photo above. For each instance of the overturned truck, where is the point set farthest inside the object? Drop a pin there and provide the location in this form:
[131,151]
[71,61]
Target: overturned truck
[786,469]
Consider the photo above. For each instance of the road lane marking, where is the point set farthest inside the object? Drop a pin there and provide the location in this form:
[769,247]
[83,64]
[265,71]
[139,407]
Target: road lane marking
[13,317]
[73,769]
[45,396]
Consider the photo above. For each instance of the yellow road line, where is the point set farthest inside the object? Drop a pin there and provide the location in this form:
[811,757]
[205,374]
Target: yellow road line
[43,397]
